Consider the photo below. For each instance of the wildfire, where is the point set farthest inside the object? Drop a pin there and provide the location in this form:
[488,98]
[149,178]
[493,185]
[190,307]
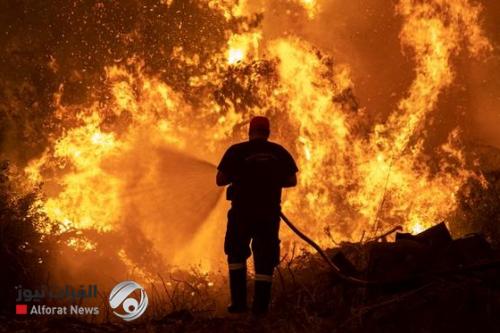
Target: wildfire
[353,178]
[243,47]
[311,6]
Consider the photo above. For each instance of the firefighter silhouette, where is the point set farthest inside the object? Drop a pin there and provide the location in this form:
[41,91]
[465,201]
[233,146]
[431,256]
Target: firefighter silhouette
[256,171]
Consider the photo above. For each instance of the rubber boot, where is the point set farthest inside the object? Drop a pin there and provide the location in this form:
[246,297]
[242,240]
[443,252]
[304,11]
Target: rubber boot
[261,298]
[238,289]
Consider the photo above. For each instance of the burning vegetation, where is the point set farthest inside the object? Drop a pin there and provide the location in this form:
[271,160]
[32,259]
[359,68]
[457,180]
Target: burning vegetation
[113,114]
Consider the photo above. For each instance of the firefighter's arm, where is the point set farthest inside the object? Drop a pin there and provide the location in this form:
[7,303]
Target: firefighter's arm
[221,179]
[290,181]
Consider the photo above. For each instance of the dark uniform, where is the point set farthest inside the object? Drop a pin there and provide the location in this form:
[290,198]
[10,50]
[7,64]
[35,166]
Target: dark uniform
[257,170]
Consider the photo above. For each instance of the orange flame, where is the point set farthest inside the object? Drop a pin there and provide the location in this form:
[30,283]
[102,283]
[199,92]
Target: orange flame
[350,180]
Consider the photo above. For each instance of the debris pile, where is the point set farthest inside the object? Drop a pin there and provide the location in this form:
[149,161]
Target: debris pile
[427,282]
[428,254]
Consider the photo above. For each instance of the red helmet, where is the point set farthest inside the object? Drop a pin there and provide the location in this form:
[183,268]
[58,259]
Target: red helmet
[259,123]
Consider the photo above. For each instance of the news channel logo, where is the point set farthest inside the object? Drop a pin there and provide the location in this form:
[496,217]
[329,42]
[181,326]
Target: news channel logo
[127,306]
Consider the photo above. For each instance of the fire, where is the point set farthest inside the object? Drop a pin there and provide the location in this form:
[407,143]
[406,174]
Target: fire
[355,177]
[241,47]
[87,201]
[230,8]
[311,7]
[235,55]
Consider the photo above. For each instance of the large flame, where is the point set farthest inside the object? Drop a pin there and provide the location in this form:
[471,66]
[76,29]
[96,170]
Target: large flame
[355,176]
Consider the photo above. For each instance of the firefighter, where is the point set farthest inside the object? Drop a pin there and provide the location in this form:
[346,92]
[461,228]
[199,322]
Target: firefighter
[256,171]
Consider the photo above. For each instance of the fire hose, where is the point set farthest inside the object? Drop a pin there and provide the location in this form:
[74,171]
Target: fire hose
[336,270]
[371,283]
[354,281]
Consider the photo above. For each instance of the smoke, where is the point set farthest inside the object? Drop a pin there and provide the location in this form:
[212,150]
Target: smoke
[484,84]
